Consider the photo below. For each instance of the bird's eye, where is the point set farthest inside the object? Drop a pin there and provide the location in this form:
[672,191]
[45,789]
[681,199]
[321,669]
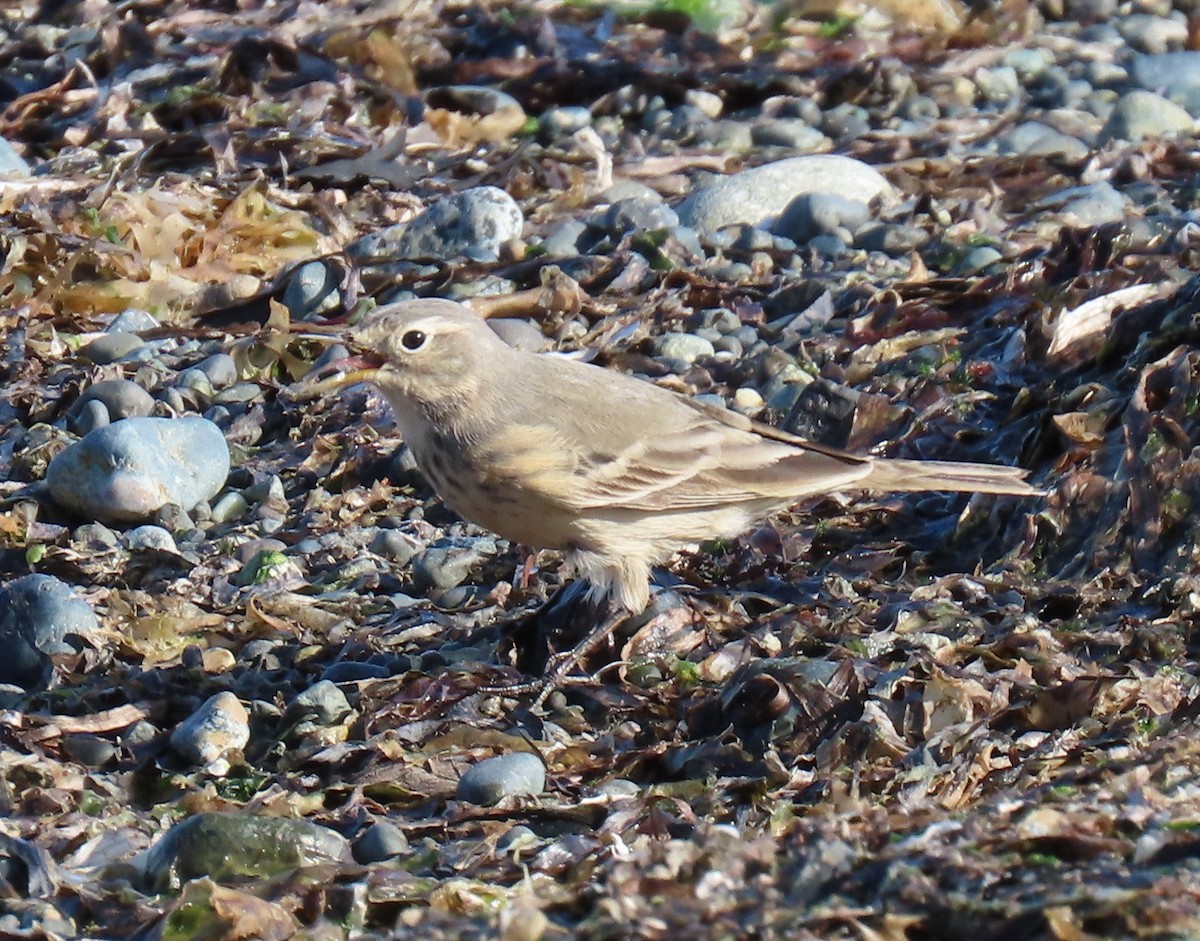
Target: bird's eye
[413,340]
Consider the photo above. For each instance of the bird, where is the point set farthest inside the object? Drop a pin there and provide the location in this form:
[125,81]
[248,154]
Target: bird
[616,472]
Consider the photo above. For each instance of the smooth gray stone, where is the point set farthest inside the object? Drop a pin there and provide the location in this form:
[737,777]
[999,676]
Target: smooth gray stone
[322,703]
[756,196]
[219,725]
[132,320]
[12,165]
[381,842]
[93,415]
[128,471]
[312,290]
[685,347]
[220,369]
[37,615]
[110,347]
[520,333]
[792,133]
[122,398]
[447,563]
[1140,114]
[516,775]
[149,537]
[813,214]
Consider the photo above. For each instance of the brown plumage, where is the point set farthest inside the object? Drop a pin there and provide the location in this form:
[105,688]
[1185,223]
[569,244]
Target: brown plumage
[617,472]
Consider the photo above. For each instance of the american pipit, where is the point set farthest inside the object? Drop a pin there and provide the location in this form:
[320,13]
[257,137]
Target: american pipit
[617,472]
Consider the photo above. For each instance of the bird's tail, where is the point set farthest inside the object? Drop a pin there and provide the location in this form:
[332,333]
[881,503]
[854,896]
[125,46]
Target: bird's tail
[911,476]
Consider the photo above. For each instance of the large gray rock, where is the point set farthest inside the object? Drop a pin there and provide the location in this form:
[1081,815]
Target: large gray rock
[759,195]
[127,471]
[1140,114]
[37,615]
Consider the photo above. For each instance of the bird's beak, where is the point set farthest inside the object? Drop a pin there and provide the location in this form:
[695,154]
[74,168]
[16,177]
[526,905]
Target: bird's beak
[333,376]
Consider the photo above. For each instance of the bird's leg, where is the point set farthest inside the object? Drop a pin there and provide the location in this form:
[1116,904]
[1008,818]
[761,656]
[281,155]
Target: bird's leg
[558,665]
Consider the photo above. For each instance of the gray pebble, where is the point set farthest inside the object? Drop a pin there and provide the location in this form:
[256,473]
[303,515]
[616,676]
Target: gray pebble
[492,780]
[111,347]
[998,85]
[979,258]
[132,321]
[520,333]
[12,165]
[95,536]
[476,224]
[792,133]
[240,393]
[1094,204]
[728,137]
[219,726]
[395,546]
[709,103]
[220,369]
[1140,114]
[846,121]
[120,397]
[130,470]
[380,842]
[448,562]
[557,123]
[567,239]
[149,537]
[92,751]
[313,289]
[1153,34]
[1028,63]
[37,615]
[814,214]
[91,416]
[683,347]
[1034,139]
[757,195]
[232,506]
[891,238]
[322,703]
[197,381]
[638,215]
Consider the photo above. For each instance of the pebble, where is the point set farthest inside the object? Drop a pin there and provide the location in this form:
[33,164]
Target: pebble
[520,333]
[792,133]
[322,703]
[638,215]
[220,368]
[475,224]
[218,727]
[394,546]
[682,347]
[999,85]
[1034,139]
[1140,114]
[149,537]
[128,471]
[449,562]
[813,214]
[517,775]
[132,320]
[1153,34]
[560,122]
[313,289]
[111,347]
[756,196]
[37,615]
[91,416]
[121,398]
[1093,205]
[12,165]
[380,842]
[95,536]
[235,846]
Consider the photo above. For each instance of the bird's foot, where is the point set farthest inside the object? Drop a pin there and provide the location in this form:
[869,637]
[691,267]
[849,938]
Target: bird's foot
[560,665]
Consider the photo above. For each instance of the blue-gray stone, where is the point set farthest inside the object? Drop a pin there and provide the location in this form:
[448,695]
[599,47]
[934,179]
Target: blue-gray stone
[12,165]
[127,471]
[313,288]
[122,398]
[684,347]
[756,196]
[474,224]
[516,775]
[37,615]
[149,537]
[220,369]
[110,347]
[1140,114]
[91,416]
[132,321]
[380,842]
[813,214]
[638,215]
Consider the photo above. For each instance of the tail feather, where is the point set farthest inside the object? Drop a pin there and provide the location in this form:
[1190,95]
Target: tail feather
[912,476]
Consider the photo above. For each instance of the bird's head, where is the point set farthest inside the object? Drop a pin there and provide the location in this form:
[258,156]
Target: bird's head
[425,352]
